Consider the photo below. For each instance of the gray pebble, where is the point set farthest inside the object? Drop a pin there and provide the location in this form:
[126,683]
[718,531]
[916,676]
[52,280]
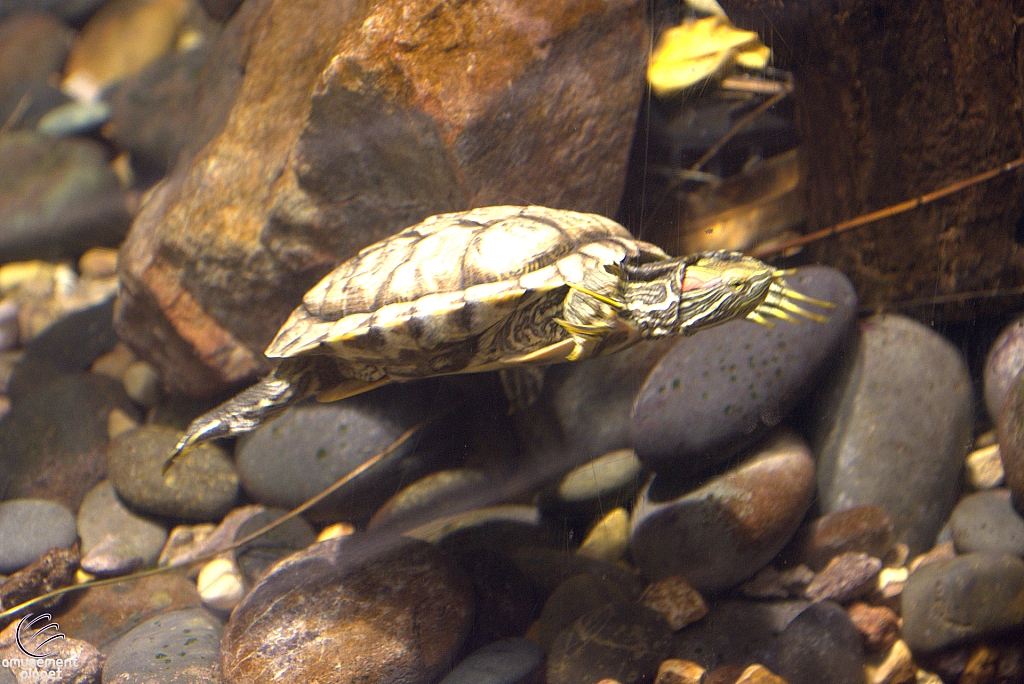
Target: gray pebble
[509,661]
[949,602]
[896,428]
[987,521]
[181,646]
[313,445]
[722,533]
[31,527]
[723,389]
[59,196]
[74,118]
[115,540]
[200,485]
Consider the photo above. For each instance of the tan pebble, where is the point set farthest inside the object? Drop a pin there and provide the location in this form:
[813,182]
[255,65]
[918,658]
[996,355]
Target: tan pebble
[759,674]
[5,405]
[987,438]
[121,39]
[119,422]
[895,667]
[608,539]
[220,584]
[984,468]
[925,677]
[98,262]
[121,165]
[675,600]
[340,529]
[890,582]
[115,362]
[143,384]
[982,666]
[675,671]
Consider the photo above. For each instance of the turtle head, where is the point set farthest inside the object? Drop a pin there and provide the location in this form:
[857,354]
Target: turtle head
[683,295]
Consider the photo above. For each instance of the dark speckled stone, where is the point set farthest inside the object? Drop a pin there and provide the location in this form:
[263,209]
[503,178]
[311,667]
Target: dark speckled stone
[722,389]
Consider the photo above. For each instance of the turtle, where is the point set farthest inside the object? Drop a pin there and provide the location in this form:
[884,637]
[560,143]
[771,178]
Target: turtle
[494,288]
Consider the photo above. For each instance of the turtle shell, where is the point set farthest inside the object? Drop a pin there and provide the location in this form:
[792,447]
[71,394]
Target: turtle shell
[456,293]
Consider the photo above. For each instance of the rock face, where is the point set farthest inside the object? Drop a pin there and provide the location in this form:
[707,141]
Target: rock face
[344,130]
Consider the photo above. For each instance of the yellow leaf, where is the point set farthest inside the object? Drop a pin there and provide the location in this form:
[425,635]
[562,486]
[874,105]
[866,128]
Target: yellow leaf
[755,57]
[696,50]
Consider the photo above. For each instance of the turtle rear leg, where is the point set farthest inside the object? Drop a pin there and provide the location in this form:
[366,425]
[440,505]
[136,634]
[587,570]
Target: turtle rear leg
[244,412]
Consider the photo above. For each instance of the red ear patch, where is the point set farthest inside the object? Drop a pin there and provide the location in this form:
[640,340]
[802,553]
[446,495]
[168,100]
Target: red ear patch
[699,278]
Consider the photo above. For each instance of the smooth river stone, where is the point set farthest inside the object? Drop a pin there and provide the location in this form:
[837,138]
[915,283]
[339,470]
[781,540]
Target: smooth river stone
[986,521]
[721,390]
[1002,366]
[116,540]
[351,609]
[722,533]
[969,596]
[803,643]
[31,527]
[895,428]
[1011,441]
[177,647]
[508,661]
[201,485]
[312,446]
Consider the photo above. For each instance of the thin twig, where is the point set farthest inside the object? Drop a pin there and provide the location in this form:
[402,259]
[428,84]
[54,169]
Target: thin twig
[892,210]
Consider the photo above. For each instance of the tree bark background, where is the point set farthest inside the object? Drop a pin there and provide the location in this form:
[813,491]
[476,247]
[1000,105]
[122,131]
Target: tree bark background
[897,99]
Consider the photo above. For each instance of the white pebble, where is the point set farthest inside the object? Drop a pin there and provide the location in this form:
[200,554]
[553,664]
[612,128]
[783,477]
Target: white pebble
[220,584]
[985,468]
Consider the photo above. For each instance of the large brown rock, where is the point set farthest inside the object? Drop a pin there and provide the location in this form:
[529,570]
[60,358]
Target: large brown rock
[345,129]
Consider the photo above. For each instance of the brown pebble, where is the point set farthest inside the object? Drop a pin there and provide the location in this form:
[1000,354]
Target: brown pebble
[53,570]
[759,674]
[942,552]
[771,583]
[846,577]
[675,600]
[98,262]
[981,666]
[726,674]
[879,626]
[867,529]
[676,671]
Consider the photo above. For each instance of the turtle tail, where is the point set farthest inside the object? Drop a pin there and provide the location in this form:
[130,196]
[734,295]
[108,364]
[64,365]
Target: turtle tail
[244,412]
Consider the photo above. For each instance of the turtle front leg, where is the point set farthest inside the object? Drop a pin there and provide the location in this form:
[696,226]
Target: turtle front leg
[244,412]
